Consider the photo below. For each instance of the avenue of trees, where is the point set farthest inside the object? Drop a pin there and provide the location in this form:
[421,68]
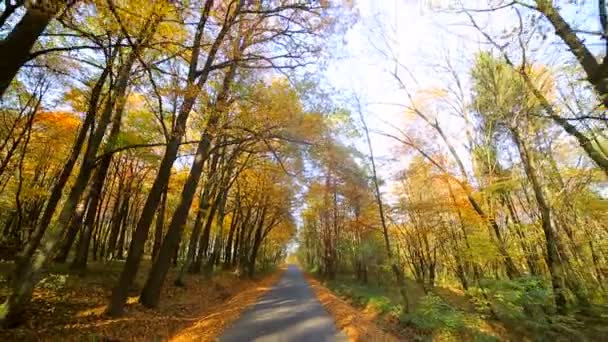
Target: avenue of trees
[189,134]
[511,205]
[166,132]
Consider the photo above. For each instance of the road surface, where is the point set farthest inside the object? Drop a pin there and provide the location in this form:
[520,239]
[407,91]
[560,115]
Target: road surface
[289,311]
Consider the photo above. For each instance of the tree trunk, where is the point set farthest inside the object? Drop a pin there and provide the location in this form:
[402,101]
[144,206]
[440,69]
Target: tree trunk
[229,244]
[95,188]
[600,159]
[66,171]
[15,48]
[160,222]
[136,248]
[118,252]
[553,258]
[119,218]
[397,271]
[32,265]
[151,291]
[596,72]
[215,257]
[82,249]
[257,242]
[194,236]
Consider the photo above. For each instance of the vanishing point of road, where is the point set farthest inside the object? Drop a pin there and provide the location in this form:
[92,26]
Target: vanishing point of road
[289,311]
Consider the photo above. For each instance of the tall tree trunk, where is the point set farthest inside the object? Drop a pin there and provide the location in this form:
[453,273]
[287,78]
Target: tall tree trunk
[397,270]
[204,240]
[194,236]
[553,258]
[596,72]
[26,277]
[217,246]
[118,251]
[229,244]
[121,213]
[150,294]
[596,154]
[94,192]
[237,245]
[66,171]
[160,222]
[82,249]
[151,291]
[257,242]
[136,248]
[15,47]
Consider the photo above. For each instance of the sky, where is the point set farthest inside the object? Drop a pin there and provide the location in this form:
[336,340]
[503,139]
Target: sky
[420,38]
[422,34]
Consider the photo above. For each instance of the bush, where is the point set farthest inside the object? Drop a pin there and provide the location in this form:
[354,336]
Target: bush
[446,323]
[433,313]
[521,298]
[363,296]
[53,282]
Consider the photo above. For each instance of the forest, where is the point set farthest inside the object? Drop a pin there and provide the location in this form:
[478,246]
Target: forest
[148,147]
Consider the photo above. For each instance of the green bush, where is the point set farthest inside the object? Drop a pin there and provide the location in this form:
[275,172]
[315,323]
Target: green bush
[446,323]
[363,295]
[53,281]
[382,303]
[521,298]
[433,313]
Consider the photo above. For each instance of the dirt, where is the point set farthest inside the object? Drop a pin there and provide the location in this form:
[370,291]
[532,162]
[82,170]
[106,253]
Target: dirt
[357,325]
[74,310]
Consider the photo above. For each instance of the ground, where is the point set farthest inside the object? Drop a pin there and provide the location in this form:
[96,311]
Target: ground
[358,325]
[290,311]
[279,306]
[445,314]
[69,307]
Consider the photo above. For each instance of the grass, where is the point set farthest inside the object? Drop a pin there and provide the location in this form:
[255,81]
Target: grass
[431,317]
[447,314]
[357,325]
[369,297]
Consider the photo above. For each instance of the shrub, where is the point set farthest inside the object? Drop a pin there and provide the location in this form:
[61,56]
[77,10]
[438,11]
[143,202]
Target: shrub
[433,313]
[521,298]
[53,281]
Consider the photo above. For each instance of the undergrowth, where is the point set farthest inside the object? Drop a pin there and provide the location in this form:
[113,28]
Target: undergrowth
[518,309]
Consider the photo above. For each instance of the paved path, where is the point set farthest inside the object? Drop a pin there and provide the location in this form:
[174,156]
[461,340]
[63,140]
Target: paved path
[289,311]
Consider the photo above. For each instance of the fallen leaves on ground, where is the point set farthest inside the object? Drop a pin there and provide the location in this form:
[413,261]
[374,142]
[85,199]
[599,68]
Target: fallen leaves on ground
[355,324]
[208,327]
[198,311]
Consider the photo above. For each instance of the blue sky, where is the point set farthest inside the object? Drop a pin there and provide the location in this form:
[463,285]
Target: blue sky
[423,34]
[420,38]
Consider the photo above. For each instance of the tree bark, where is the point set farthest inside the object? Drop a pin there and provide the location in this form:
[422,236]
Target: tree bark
[160,222]
[136,248]
[151,292]
[95,188]
[119,218]
[596,72]
[15,48]
[68,166]
[194,236]
[553,258]
[397,271]
[229,244]
[257,242]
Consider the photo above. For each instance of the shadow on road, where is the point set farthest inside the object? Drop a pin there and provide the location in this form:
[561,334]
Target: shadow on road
[288,312]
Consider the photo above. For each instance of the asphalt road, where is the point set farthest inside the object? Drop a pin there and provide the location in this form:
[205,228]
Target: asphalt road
[289,311]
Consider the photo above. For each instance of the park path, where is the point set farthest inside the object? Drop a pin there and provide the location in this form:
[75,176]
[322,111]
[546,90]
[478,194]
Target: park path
[289,311]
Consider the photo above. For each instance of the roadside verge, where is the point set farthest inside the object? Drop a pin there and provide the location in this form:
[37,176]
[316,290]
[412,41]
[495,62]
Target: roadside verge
[348,319]
[208,327]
